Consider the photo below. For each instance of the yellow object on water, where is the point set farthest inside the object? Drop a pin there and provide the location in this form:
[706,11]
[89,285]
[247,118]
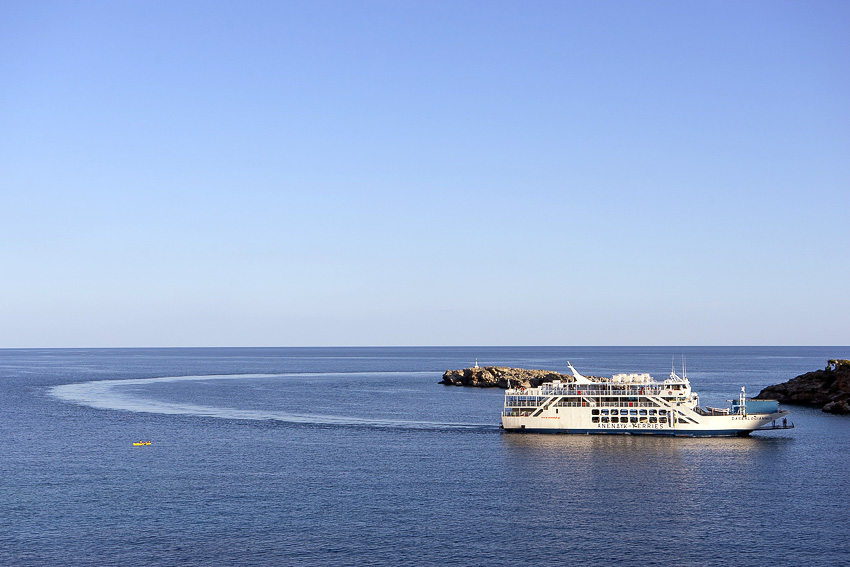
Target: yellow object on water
[142,443]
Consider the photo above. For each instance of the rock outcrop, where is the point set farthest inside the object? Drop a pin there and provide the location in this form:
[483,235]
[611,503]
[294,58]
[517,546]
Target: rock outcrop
[828,388]
[498,376]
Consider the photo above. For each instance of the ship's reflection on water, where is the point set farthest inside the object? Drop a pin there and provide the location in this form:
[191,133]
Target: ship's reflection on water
[635,446]
[674,462]
[645,491]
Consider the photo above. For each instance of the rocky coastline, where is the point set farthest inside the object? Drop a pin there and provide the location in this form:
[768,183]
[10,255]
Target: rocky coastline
[828,389]
[498,377]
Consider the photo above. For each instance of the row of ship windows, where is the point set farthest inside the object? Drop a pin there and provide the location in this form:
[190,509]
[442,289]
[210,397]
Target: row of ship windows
[531,401]
[603,398]
[629,412]
[600,401]
[605,419]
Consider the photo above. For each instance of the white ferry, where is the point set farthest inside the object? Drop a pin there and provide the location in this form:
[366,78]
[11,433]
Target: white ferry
[633,404]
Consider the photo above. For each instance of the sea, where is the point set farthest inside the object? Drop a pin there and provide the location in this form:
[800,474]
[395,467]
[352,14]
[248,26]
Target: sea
[358,456]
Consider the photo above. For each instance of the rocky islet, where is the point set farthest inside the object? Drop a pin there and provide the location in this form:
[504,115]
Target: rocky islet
[828,389]
[498,377]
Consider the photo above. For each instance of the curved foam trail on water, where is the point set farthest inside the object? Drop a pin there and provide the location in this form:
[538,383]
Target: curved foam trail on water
[105,394]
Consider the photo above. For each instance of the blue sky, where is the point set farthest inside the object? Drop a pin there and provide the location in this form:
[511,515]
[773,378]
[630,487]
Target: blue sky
[424,173]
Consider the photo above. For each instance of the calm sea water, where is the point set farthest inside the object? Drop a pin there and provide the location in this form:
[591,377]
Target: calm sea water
[356,456]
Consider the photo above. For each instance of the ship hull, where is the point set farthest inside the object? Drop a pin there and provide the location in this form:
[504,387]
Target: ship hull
[693,433]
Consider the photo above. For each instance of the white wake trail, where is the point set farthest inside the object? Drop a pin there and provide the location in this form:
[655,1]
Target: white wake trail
[108,395]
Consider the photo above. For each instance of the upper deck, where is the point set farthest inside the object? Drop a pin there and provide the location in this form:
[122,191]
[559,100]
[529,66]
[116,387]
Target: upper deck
[669,387]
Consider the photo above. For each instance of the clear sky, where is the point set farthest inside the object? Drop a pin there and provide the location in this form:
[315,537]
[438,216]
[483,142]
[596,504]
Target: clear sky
[281,173]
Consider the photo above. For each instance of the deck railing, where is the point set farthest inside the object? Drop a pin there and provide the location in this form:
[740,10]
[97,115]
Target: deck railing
[653,389]
[593,404]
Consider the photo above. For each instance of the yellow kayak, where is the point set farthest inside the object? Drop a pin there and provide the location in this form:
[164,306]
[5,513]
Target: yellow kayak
[142,443]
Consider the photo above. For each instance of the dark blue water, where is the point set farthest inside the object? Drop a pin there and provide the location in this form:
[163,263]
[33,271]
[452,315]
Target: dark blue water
[356,456]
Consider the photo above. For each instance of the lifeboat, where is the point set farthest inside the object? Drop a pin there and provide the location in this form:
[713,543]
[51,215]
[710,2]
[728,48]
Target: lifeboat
[140,443]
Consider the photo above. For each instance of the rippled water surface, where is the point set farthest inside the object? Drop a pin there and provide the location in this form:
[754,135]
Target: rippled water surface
[358,457]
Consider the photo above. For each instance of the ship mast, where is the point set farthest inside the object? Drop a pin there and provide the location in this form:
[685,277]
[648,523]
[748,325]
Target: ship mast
[673,375]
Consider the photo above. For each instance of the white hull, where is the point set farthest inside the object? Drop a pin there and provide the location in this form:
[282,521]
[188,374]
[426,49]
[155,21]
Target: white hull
[579,420]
